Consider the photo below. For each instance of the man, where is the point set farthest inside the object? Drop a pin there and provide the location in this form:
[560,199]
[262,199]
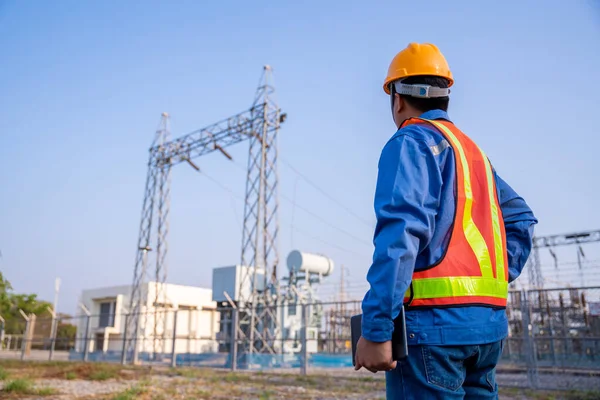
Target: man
[450,236]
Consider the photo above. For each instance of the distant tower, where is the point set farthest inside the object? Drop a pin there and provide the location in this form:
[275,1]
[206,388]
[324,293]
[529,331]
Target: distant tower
[261,224]
[259,125]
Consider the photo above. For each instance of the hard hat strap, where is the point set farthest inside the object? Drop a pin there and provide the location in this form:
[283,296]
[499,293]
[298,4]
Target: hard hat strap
[419,90]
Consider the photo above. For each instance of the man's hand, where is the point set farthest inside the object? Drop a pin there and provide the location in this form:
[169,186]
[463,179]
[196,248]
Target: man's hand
[374,356]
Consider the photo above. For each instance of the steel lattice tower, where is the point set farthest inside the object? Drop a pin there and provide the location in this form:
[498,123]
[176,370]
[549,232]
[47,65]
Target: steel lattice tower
[259,125]
[261,225]
[164,194]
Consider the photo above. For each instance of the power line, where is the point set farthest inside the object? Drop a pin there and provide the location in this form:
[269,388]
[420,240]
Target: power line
[324,193]
[291,201]
[326,222]
[575,263]
[216,182]
[328,243]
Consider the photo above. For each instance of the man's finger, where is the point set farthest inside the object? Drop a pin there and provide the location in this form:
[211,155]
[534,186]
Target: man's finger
[394,364]
[357,366]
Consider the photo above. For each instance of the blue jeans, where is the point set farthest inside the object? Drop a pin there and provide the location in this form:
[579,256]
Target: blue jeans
[446,372]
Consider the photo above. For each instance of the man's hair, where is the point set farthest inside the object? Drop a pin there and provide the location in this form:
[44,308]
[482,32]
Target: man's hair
[421,104]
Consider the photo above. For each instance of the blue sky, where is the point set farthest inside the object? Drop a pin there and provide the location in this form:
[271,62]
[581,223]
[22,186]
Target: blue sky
[84,84]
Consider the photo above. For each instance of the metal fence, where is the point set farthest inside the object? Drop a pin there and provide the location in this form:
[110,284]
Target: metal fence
[553,341]
[555,335]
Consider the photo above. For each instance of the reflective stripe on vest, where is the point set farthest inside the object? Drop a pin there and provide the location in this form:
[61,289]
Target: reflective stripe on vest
[468,273]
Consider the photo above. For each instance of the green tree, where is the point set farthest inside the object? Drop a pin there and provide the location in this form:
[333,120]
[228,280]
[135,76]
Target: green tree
[11,303]
[65,336]
[5,289]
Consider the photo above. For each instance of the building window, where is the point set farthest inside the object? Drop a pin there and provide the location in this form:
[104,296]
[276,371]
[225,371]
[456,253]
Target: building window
[107,314]
[292,309]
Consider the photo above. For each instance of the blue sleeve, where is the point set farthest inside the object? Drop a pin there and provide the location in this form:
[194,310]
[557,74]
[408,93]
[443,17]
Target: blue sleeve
[407,197]
[519,222]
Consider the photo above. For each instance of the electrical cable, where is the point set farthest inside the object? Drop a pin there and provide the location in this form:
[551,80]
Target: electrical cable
[314,185]
[291,201]
[325,221]
[328,243]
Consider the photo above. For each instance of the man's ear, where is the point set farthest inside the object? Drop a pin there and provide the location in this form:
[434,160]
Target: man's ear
[398,103]
[398,106]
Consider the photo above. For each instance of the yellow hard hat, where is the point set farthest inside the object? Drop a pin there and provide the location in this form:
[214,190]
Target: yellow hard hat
[418,59]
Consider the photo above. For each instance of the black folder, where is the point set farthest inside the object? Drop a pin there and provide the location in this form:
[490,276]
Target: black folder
[399,341]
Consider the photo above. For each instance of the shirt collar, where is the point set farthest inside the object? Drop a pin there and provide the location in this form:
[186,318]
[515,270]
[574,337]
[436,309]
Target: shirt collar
[435,114]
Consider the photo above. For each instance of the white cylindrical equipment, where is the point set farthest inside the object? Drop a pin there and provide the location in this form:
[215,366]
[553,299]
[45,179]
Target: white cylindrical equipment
[310,263]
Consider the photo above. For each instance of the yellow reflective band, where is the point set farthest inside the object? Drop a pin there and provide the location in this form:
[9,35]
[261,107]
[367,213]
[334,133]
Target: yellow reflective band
[472,233]
[498,244]
[462,286]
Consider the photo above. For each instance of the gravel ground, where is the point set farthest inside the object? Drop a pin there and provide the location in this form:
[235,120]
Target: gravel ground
[160,387]
[81,388]
[558,381]
[94,381]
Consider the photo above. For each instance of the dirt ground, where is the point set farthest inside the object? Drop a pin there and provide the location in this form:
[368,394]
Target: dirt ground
[66,380]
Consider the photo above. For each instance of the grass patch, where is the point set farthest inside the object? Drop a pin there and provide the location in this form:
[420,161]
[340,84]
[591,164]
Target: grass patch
[47,391]
[266,395]
[3,374]
[579,395]
[202,394]
[73,370]
[233,378]
[306,380]
[70,375]
[25,386]
[18,386]
[187,373]
[102,375]
[131,393]
[230,377]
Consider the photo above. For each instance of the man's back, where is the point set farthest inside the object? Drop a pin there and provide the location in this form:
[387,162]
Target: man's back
[433,224]
[450,236]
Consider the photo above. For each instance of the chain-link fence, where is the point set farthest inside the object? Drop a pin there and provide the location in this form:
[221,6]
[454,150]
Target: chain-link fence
[554,334]
[553,341]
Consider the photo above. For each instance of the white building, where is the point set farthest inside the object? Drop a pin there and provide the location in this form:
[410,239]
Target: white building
[197,319]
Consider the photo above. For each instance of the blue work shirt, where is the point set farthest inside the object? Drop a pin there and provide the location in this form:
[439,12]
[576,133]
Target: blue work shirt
[415,206]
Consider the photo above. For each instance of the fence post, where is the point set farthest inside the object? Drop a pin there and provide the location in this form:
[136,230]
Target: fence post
[552,332]
[174,350]
[304,339]
[25,334]
[124,349]
[53,332]
[233,349]
[529,336]
[136,333]
[86,340]
[2,322]
[24,340]
[88,327]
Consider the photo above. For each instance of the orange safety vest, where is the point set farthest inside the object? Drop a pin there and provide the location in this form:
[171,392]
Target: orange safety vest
[473,271]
